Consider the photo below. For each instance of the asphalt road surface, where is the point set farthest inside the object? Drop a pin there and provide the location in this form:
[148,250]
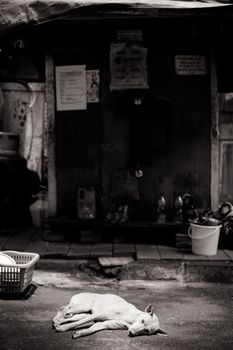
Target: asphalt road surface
[196,316]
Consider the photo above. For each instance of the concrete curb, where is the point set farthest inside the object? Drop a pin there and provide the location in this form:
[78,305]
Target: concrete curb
[183,271]
[178,270]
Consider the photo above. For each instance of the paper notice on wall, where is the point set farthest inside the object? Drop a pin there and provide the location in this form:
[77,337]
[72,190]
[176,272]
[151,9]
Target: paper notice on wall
[128,66]
[93,82]
[190,64]
[71,87]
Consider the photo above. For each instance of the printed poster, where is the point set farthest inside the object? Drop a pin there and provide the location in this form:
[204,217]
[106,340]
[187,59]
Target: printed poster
[93,83]
[71,87]
[128,66]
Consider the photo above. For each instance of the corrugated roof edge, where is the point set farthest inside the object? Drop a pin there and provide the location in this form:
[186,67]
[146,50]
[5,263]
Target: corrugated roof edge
[15,13]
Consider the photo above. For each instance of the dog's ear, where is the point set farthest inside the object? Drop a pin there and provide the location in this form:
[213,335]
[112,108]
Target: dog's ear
[161,331]
[150,309]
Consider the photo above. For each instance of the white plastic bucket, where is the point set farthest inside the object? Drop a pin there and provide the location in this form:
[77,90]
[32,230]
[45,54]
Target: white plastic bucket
[204,239]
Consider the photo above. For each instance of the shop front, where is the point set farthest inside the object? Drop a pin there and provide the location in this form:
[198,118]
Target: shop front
[132,112]
[146,131]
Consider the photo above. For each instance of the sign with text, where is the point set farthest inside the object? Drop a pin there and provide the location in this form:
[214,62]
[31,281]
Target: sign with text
[190,64]
[71,88]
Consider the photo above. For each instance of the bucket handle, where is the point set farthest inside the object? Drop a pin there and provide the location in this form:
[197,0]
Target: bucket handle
[206,236]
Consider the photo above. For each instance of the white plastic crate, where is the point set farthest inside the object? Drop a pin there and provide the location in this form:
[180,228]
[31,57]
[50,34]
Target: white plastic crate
[16,278]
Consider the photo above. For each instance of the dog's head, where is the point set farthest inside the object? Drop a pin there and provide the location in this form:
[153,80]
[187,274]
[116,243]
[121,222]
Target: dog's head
[147,323]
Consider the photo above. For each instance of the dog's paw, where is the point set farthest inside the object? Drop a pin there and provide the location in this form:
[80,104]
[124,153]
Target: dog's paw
[56,323]
[59,328]
[55,320]
[77,334]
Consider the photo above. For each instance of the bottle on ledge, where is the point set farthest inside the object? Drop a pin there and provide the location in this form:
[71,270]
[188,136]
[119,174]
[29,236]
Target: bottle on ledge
[178,210]
[161,208]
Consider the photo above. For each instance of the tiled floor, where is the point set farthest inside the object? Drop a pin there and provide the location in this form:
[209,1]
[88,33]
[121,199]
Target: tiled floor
[34,240]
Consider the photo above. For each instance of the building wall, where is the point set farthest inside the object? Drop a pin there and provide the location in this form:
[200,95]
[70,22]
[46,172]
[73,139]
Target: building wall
[167,135]
[226,146]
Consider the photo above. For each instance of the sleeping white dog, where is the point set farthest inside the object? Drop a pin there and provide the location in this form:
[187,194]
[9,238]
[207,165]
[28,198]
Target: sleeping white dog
[92,312]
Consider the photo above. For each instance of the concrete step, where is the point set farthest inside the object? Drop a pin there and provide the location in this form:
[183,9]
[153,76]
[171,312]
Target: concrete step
[150,262]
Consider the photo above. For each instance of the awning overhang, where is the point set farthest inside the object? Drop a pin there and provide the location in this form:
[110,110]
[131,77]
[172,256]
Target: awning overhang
[18,13]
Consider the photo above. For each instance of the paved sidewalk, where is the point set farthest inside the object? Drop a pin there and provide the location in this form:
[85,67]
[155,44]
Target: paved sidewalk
[150,261]
[195,316]
[35,240]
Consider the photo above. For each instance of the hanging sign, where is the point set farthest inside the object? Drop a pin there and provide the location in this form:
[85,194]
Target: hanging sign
[129,35]
[128,66]
[71,87]
[190,64]
[93,82]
